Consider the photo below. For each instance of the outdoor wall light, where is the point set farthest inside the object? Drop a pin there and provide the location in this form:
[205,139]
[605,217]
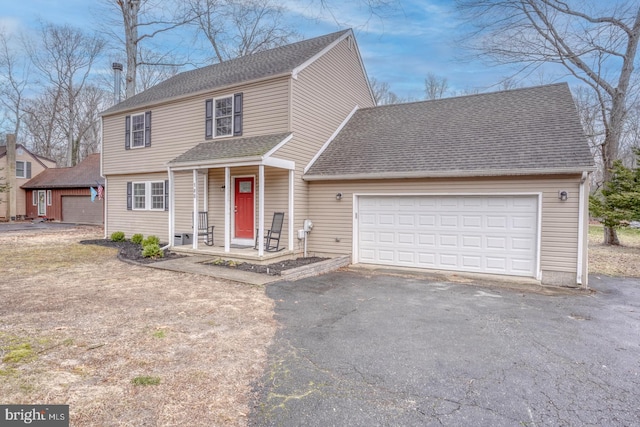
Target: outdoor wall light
[222,187]
[339,196]
[563,195]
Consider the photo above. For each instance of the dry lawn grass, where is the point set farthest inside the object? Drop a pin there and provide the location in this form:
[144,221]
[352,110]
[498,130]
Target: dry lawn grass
[77,326]
[621,260]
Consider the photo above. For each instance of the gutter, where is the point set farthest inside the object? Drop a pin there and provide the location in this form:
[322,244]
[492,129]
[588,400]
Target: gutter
[445,174]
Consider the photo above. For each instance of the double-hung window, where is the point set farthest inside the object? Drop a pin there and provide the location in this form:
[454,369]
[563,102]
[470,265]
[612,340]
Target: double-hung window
[137,130]
[23,169]
[137,133]
[148,195]
[223,116]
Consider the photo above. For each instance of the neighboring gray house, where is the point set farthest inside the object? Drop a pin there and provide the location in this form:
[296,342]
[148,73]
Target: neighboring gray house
[492,183]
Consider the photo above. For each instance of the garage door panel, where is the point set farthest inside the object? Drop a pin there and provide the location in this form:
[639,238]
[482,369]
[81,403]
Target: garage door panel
[472,221]
[426,220]
[472,242]
[495,234]
[406,238]
[449,221]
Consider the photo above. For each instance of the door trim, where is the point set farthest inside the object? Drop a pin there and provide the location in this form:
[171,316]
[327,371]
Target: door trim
[234,239]
[42,200]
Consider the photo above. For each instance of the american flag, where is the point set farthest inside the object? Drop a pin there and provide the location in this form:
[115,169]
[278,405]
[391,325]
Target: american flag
[100,192]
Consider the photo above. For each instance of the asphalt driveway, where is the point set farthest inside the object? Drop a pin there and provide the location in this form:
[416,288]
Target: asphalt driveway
[372,350]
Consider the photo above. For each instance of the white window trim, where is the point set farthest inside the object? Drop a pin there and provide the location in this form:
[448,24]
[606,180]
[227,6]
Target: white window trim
[144,129]
[215,127]
[148,197]
[49,197]
[24,169]
[34,197]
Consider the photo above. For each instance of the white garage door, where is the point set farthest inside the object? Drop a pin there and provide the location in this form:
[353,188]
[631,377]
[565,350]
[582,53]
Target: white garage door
[487,234]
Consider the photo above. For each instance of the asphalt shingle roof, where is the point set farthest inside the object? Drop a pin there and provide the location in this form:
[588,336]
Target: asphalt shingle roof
[259,65]
[231,148]
[84,174]
[518,130]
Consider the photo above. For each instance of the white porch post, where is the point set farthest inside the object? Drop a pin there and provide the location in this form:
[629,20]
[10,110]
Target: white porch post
[261,211]
[227,209]
[292,174]
[205,197]
[195,209]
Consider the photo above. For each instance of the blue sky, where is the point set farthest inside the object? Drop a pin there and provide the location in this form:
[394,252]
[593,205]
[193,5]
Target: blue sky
[416,38]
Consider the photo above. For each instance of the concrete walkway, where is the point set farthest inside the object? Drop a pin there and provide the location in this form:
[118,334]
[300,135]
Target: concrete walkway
[195,265]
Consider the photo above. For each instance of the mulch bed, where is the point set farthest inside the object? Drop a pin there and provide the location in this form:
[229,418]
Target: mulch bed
[133,252]
[274,269]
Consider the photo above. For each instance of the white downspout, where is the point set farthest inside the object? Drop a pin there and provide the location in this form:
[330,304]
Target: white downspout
[581,225]
[172,198]
[195,210]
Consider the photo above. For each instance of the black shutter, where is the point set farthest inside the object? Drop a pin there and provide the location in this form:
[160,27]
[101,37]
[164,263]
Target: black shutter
[147,129]
[129,196]
[237,114]
[127,132]
[28,166]
[166,194]
[208,118]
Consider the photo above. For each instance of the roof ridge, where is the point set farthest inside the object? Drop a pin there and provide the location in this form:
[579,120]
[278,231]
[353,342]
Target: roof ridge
[471,95]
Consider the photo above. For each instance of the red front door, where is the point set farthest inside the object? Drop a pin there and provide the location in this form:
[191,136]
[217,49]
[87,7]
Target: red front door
[244,209]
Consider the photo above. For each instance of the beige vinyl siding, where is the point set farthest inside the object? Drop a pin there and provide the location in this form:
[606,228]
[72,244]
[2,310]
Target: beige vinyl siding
[333,220]
[178,126]
[323,95]
[134,221]
[21,200]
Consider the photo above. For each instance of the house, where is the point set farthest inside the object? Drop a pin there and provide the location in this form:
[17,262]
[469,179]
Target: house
[27,165]
[64,194]
[491,183]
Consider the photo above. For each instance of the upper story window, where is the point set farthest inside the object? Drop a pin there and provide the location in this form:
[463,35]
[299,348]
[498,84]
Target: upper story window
[137,130]
[223,116]
[23,169]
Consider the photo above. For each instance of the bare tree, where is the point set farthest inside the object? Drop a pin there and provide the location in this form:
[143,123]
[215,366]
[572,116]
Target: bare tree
[595,42]
[42,130]
[435,87]
[142,20]
[382,93]
[64,57]
[15,70]
[236,28]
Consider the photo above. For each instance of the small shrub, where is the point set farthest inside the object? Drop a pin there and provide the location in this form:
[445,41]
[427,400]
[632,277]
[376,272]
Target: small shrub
[137,238]
[151,240]
[117,236]
[152,250]
[146,380]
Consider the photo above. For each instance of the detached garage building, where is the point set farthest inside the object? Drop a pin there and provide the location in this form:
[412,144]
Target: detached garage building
[64,194]
[491,183]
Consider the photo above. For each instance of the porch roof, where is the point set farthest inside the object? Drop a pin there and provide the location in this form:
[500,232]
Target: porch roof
[231,149]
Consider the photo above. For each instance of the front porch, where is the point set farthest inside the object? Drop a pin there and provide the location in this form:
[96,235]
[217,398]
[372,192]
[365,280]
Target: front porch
[235,253]
[238,186]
